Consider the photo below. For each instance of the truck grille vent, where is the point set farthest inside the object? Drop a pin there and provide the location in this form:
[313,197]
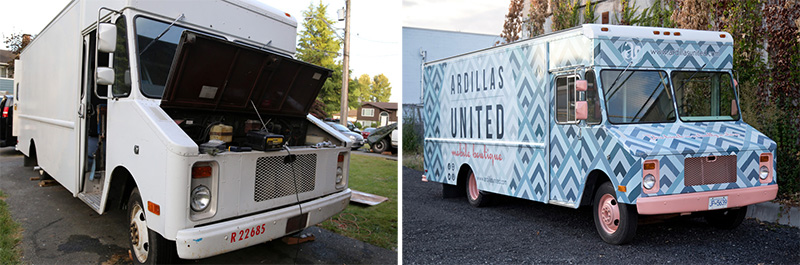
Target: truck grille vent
[275,179]
[709,170]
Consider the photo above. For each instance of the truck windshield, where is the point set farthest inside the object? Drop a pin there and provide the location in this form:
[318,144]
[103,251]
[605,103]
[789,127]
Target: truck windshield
[637,96]
[706,96]
[155,62]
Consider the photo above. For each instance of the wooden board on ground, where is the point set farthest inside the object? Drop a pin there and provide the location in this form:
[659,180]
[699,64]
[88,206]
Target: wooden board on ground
[47,183]
[366,198]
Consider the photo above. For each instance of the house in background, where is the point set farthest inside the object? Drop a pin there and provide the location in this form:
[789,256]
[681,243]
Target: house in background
[6,82]
[351,115]
[377,114]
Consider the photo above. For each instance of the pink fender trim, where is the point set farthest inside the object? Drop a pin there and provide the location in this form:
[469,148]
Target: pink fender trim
[698,201]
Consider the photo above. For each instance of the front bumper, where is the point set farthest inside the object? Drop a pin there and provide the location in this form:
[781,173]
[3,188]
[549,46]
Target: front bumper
[698,201]
[206,241]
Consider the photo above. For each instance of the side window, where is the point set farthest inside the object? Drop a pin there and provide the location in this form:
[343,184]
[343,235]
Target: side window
[565,99]
[592,99]
[122,66]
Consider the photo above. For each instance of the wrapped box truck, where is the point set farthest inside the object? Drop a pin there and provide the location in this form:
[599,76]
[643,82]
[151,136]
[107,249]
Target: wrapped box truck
[627,120]
[192,116]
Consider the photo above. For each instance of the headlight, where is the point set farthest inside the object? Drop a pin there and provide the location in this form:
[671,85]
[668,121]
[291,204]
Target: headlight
[201,197]
[339,175]
[352,138]
[764,172]
[649,181]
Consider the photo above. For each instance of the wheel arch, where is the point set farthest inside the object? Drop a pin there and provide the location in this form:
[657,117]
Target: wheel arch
[120,186]
[31,159]
[593,181]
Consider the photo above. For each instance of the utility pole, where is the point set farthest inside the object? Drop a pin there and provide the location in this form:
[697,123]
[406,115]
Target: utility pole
[345,64]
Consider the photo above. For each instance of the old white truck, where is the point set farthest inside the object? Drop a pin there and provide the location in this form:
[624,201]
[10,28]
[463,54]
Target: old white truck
[158,107]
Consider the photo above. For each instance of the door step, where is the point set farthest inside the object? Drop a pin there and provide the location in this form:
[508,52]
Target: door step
[92,199]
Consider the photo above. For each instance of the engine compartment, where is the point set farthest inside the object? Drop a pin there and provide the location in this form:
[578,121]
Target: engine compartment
[295,131]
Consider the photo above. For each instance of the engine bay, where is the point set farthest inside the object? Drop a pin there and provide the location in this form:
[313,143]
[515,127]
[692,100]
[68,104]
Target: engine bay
[216,132]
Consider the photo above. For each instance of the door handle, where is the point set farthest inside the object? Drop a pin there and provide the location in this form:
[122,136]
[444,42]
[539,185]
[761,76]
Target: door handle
[81,109]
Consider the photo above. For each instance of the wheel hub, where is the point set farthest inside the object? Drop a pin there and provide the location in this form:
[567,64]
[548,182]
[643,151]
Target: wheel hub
[608,213]
[138,233]
[473,187]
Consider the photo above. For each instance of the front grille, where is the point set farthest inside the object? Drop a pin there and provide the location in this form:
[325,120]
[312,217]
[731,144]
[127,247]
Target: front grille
[709,170]
[275,179]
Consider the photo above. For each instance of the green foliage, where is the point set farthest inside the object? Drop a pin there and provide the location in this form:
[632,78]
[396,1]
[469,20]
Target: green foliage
[588,12]
[566,14]
[381,89]
[412,136]
[627,14]
[657,15]
[358,125]
[9,235]
[319,45]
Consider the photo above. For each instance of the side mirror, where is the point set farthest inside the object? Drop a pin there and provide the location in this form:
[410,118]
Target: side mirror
[105,76]
[106,37]
[734,108]
[581,85]
[581,110]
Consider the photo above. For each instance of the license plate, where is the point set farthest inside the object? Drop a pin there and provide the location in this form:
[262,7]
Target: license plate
[248,233]
[718,202]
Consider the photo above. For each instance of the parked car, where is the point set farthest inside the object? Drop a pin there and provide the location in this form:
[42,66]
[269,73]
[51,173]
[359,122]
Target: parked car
[384,139]
[7,105]
[352,127]
[358,141]
[365,133]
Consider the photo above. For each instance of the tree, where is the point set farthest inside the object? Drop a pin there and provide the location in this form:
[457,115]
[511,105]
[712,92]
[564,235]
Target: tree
[513,24]
[381,88]
[693,14]
[16,42]
[318,44]
[537,17]
[566,14]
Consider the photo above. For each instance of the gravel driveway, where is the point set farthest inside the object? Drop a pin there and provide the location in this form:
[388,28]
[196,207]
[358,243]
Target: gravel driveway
[437,230]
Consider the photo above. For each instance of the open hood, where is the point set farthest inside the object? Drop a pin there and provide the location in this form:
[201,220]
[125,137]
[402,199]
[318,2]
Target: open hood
[209,73]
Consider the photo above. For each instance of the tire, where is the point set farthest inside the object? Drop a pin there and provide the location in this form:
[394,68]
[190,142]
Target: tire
[726,218]
[476,197]
[381,146]
[148,247]
[615,222]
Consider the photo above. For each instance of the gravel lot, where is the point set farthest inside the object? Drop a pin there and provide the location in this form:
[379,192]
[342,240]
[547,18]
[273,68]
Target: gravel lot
[437,230]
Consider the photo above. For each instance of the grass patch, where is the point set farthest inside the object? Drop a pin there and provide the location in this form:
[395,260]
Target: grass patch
[376,225]
[9,235]
[413,160]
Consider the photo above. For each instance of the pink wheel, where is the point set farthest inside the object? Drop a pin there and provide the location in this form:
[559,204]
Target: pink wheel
[608,212]
[615,222]
[473,187]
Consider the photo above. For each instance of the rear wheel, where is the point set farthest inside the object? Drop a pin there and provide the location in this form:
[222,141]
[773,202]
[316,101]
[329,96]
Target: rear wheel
[146,246]
[476,197]
[381,146]
[726,218]
[615,222]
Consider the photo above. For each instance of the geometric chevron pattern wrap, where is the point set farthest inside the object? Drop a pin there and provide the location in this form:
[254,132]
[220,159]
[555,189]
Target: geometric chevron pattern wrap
[493,111]
[644,53]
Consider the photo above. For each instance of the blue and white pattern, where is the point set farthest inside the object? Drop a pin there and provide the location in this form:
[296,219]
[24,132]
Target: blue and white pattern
[538,159]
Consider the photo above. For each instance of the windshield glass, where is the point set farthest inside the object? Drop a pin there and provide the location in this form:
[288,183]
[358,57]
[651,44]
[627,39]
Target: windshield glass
[705,96]
[339,127]
[637,96]
[155,60]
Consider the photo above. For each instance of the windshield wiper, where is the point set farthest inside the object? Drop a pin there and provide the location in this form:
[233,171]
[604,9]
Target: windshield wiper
[691,76]
[160,35]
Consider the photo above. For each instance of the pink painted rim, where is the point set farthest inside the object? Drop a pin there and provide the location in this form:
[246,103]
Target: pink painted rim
[608,212]
[473,187]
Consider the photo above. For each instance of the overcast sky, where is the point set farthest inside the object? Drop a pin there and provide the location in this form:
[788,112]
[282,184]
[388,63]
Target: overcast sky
[475,16]
[375,29]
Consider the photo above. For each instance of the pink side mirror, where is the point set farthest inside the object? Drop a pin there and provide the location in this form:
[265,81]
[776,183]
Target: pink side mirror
[581,110]
[581,85]
[734,108]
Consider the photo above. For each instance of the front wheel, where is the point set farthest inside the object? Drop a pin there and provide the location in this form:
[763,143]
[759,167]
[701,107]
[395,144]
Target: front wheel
[146,246]
[615,222]
[726,218]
